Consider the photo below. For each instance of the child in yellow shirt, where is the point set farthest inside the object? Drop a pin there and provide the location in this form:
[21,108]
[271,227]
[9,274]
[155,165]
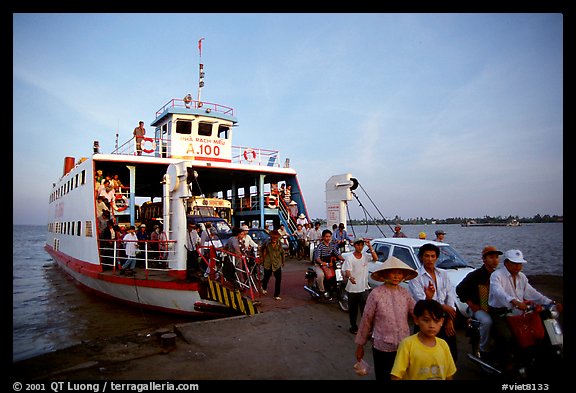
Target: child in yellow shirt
[424,356]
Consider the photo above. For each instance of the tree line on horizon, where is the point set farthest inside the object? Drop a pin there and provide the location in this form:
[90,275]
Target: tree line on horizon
[546,218]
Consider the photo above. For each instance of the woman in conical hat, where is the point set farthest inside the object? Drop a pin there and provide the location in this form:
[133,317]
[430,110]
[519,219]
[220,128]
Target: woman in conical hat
[388,309]
[381,274]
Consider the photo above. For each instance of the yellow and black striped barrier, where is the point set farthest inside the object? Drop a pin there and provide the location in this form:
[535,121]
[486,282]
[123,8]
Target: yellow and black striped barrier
[231,298]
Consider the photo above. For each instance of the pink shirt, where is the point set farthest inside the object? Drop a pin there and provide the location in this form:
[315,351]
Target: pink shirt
[386,315]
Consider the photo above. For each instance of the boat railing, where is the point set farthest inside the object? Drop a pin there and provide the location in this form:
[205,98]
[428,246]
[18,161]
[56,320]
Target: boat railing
[194,104]
[247,269]
[154,147]
[255,156]
[156,254]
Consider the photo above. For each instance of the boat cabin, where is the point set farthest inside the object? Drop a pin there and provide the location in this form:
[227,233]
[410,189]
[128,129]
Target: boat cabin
[193,130]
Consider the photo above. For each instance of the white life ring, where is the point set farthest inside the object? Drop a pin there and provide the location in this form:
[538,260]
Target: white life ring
[249,155]
[272,201]
[152,146]
[120,203]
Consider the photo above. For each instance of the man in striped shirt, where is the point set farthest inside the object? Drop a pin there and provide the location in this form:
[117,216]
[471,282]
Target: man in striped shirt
[322,255]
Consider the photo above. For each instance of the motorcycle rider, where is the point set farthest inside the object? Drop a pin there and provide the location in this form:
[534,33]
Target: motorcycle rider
[355,267]
[341,236]
[322,256]
[473,290]
[510,289]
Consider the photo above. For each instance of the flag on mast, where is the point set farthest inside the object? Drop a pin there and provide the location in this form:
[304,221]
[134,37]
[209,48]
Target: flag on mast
[200,46]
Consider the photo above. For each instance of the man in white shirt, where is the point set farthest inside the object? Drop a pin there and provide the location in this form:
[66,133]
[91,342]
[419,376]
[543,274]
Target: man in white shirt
[355,267]
[130,246]
[510,289]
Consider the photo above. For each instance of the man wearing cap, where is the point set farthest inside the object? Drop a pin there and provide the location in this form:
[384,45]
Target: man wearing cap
[273,261]
[355,267]
[510,289]
[473,290]
[142,234]
[439,235]
[398,231]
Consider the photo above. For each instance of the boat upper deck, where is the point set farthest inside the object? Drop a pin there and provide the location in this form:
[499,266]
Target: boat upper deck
[195,130]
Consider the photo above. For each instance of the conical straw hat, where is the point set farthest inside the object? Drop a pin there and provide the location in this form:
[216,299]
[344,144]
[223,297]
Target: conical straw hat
[393,263]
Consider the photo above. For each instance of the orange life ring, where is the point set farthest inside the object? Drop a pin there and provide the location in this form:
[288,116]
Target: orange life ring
[120,203]
[152,146]
[272,202]
[249,155]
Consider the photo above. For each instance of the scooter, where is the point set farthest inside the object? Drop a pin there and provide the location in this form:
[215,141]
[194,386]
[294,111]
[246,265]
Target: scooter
[312,247]
[531,359]
[334,284]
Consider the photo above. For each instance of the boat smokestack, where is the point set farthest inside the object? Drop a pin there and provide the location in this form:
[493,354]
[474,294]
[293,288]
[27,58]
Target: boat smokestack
[68,164]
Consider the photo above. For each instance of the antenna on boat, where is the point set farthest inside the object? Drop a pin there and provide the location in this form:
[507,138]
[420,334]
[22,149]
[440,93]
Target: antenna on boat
[201,73]
[117,131]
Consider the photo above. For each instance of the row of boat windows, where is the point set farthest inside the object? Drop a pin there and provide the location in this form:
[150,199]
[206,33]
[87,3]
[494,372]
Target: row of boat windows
[204,128]
[71,228]
[72,183]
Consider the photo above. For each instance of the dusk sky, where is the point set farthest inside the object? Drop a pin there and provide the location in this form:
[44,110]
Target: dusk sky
[436,115]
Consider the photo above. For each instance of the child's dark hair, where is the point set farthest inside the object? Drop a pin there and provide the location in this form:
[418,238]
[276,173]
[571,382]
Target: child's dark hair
[428,247]
[432,306]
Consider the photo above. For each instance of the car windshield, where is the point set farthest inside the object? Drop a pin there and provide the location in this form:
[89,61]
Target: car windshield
[448,259]
[258,236]
[222,227]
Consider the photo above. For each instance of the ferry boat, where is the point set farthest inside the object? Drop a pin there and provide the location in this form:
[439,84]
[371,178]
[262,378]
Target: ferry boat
[189,158]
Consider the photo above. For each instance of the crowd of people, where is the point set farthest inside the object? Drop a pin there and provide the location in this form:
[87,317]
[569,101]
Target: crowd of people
[381,316]
[429,351]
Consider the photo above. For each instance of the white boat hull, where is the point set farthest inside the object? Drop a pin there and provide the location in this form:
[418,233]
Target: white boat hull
[179,298]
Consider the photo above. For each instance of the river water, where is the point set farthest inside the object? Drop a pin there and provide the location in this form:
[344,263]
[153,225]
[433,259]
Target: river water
[49,312]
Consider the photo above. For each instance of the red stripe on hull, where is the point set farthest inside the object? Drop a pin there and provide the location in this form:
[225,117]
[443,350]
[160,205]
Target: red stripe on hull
[95,272]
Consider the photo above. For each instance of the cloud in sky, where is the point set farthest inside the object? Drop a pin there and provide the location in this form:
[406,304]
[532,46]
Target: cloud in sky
[437,115]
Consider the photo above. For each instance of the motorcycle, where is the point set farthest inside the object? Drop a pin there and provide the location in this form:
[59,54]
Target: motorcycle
[334,284]
[312,246]
[532,355]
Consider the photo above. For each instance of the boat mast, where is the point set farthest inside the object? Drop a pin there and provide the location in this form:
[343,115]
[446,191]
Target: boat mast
[201,73]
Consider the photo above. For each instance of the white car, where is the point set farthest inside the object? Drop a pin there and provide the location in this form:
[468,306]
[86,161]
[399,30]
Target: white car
[406,249]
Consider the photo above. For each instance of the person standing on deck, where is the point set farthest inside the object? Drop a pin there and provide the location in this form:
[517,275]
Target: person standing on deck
[288,194]
[439,236]
[293,210]
[139,133]
[282,191]
[131,246]
[398,231]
